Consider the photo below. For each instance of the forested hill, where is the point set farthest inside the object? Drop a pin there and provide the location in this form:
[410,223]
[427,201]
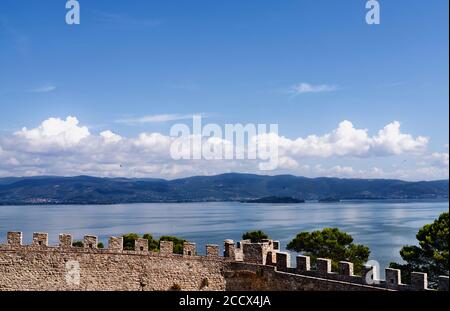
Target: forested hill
[226,187]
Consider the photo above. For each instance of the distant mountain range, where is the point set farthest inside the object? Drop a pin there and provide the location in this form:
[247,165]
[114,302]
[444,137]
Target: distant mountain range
[226,187]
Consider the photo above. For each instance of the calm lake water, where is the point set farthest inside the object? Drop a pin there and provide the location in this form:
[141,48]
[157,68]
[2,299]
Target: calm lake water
[384,226]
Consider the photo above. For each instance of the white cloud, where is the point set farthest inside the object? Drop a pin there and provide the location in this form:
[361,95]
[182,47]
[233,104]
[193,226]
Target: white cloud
[157,118]
[344,171]
[64,147]
[347,170]
[110,137]
[304,88]
[391,141]
[438,159]
[436,163]
[349,141]
[441,159]
[12,161]
[153,142]
[287,163]
[55,132]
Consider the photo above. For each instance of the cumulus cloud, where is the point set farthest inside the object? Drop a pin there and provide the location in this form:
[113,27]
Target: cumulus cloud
[349,141]
[438,159]
[153,142]
[110,137]
[55,132]
[335,171]
[434,165]
[390,140]
[65,147]
[287,163]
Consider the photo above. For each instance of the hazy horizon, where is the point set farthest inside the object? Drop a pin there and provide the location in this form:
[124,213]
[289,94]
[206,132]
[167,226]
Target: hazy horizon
[213,175]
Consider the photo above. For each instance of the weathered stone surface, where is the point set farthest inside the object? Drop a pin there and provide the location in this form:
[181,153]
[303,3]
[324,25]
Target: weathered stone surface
[345,268]
[419,281]
[141,245]
[283,260]
[40,239]
[90,241]
[212,250]
[31,269]
[303,263]
[115,244]
[271,259]
[14,238]
[42,267]
[323,266]
[229,249]
[393,278]
[250,277]
[65,240]
[189,249]
[256,252]
[166,247]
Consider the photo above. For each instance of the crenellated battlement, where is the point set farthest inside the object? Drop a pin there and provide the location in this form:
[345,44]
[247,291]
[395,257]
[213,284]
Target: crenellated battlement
[115,245]
[267,253]
[243,266]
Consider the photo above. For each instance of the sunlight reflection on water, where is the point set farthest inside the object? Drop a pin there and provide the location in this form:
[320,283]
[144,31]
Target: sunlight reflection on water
[384,226]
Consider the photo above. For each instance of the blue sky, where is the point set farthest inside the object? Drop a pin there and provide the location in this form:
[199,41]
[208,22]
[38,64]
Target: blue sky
[233,61]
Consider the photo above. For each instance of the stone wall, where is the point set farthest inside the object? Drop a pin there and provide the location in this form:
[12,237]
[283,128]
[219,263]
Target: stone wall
[42,267]
[64,267]
[250,277]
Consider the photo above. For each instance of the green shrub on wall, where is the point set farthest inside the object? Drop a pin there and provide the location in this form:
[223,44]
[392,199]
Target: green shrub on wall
[77,244]
[153,245]
[255,236]
[128,241]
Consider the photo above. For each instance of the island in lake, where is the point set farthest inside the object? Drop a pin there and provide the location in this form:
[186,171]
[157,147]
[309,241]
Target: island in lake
[275,199]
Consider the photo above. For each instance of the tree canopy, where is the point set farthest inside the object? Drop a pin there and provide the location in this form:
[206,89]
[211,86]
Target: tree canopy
[431,255]
[153,245]
[333,244]
[128,241]
[255,236]
[77,243]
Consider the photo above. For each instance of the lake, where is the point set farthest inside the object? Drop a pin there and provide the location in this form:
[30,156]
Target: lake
[384,226]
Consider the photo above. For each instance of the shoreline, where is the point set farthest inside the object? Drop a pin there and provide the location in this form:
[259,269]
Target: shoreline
[438,200]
